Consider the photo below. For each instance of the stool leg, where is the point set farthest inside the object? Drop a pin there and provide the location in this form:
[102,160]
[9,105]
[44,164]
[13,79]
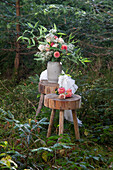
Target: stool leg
[51,123]
[40,104]
[61,122]
[75,124]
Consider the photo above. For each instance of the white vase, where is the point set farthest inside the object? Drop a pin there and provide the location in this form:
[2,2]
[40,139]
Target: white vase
[54,69]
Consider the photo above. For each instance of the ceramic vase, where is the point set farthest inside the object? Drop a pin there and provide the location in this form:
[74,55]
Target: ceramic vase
[54,69]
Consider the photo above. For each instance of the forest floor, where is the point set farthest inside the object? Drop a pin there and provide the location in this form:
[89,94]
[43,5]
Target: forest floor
[23,141]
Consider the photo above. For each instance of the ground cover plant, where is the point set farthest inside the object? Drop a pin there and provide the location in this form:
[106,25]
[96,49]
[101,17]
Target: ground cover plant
[27,145]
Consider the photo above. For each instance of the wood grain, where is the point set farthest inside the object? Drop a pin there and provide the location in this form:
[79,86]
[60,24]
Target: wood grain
[52,101]
[47,88]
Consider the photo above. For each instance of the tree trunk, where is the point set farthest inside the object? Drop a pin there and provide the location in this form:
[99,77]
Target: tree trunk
[17,57]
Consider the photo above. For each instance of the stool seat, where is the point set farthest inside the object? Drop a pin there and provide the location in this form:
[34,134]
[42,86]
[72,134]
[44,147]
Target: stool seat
[45,87]
[52,101]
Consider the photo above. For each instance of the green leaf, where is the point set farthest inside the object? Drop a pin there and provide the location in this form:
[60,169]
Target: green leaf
[30,25]
[21,37]
[9,26]
[11,116]
[96,158]
[41,148]
[55,27]
[38,59]
[2,154]
[33,41]
[61,33]
[36,24]
[44,156]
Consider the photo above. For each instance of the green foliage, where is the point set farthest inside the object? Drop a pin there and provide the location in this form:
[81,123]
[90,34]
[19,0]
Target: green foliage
[27,136]
[5,159]
[90,25]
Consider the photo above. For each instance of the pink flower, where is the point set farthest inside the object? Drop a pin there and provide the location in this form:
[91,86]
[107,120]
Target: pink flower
[62,96]
[47,47]
[55,37]
[69,94]
[64,47]
[56,54]
[52,44]
[68,91]
[61,90]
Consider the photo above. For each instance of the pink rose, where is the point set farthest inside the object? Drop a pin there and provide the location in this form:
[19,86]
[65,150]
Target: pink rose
[52,44]
[56,54]
[61,90]
[62,96]
[55,37]
[69,94]
[64,47]
[68,91]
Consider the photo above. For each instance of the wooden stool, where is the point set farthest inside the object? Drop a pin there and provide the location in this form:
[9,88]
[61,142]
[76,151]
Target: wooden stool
[52,101]
[45,88]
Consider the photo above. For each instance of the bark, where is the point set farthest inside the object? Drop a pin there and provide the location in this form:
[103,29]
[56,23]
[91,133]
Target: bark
[17,57]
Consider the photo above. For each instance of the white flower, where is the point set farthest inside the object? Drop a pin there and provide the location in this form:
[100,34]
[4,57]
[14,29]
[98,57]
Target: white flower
[49,37]
[62,96]
[60,40]
[70,47]
[47,47]
[49,53]
[41,47]
[55,45]
[52,31]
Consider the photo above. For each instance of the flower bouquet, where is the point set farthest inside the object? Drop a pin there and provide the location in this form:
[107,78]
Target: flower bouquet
[52,46]
[63,94]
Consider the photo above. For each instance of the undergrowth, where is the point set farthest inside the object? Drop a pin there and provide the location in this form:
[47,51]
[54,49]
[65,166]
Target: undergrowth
[23,142]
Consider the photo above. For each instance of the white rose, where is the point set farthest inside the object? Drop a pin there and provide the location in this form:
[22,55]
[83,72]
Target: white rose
[49,37]
[55,45]
[53,31]
[41,48]
[60,40]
